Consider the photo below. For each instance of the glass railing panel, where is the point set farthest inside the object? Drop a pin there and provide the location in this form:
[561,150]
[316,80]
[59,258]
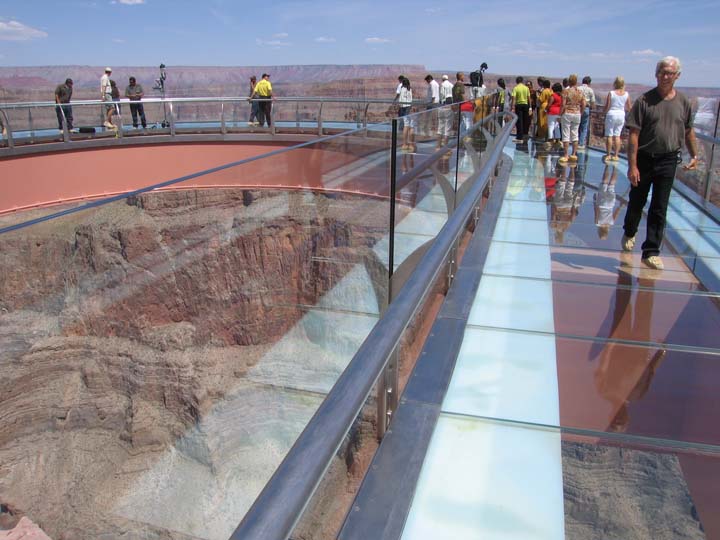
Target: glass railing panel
[191,331]
[197,116]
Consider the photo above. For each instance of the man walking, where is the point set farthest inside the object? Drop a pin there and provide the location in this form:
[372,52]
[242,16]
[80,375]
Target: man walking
[63,93]
[660,121]
[520,101]
[134,92]
[263,91]
[589,95]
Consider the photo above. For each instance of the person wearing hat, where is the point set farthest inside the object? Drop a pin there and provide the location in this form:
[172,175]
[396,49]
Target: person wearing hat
[63,93]
[106,95]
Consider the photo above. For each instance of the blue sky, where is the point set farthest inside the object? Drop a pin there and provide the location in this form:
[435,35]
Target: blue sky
[602,38]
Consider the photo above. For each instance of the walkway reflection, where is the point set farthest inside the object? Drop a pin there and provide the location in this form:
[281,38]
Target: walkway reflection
[624,374]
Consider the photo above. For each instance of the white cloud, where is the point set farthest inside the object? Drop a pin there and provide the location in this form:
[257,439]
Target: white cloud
[434,10]
[131,2]
[17,31]
[280,35]
[375,40]
[118,40]
[272,43]
[323,39]
[646,52]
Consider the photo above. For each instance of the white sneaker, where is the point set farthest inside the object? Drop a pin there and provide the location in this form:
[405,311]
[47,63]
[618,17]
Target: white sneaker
[108,125]
[628,243]
[653,262]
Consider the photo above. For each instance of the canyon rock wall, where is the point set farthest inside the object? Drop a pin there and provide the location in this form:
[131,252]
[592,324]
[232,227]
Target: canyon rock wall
[150,349]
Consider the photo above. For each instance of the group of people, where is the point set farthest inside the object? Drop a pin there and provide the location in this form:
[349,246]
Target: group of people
[109,93]
[260,97]
[560,113]
[659,124]
[437,94]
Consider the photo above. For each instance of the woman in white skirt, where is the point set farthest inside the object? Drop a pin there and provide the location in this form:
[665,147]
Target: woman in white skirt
[617,105]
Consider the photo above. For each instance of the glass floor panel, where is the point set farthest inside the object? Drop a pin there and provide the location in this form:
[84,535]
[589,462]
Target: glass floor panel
[644,315]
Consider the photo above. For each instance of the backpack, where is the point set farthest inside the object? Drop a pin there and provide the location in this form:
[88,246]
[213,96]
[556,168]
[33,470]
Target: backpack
[114,90]
[476,78]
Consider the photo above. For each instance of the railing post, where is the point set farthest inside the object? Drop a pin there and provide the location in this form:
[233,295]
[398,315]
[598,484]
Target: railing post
[297,115]
[172,119]
[365,116]
[66,132]
[387,396]
[30,126]
[320,126]
[223,128]
[119,127]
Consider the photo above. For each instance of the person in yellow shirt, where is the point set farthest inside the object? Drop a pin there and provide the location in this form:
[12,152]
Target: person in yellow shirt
[263,91]
[520,101]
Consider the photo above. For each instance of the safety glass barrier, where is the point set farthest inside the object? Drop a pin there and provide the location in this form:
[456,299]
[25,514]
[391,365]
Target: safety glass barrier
[176,340]
[566,483]
[440,152]
[42,122]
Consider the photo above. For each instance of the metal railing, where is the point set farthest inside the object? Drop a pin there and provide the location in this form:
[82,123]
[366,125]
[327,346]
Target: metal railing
[280,505]
[33,122]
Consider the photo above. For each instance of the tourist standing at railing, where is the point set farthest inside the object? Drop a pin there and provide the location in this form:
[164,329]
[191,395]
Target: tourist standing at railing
[445,115]
[134,92]
[254,105]
[660,122]
[433,99]
[408,123]
[554,108]
[63,93]
[572,109]
[106,95]
[542,102]
[263,91]
[501,99]
[617,105]
[520,102]
[533,109]
[589,95]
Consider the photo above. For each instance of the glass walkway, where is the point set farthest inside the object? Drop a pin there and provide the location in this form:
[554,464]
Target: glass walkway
[173,354]
[584,398]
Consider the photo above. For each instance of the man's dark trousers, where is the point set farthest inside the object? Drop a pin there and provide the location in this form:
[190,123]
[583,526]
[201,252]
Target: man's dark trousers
[659,172]
[523,122]
[67,109]
[265,115]
[136,108]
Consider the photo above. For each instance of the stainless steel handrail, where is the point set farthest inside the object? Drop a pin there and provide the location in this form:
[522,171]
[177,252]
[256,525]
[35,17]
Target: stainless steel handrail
[280,505]
[293,99]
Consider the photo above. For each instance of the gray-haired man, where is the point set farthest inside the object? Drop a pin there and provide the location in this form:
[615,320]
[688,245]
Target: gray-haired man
[660,121]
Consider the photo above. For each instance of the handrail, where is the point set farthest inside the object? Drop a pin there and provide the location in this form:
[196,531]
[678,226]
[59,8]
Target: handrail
[281,503]
[292,99]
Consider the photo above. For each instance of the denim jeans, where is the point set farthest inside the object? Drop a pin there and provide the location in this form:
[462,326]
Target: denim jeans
[658,172]
[584,127]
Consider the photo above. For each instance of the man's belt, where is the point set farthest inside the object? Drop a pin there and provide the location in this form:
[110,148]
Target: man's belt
[660,155]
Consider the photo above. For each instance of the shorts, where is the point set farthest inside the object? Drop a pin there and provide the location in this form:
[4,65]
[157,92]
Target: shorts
[445,122]
[407,121]
[570,125]
[614,124]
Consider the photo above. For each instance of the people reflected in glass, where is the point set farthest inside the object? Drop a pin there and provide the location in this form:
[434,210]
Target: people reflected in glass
[605,202]
[565,201]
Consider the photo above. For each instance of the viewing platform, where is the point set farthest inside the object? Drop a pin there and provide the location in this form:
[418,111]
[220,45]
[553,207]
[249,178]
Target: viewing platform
[216,331]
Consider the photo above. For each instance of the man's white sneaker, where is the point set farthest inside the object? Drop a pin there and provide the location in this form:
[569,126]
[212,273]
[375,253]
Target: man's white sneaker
[653,262]
[628,243]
